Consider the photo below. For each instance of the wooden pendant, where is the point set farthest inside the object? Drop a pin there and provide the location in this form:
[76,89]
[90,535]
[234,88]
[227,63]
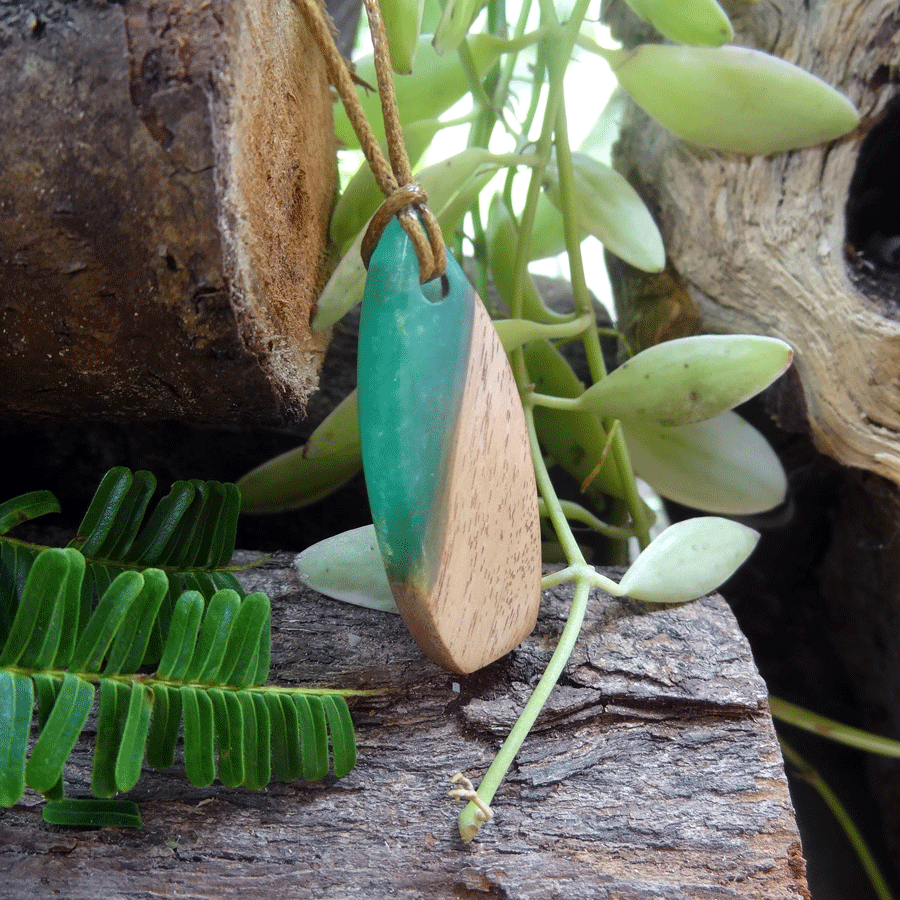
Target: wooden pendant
[447,464]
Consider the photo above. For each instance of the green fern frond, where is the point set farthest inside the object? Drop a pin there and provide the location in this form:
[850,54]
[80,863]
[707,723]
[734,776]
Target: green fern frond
[189,535]
[192,527]
[58,645]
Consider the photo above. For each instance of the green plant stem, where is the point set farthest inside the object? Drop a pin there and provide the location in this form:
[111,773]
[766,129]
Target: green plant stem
[523,41]
[585,577]
[559,48]
[641,518]
[469,819]
[552,401]
[805,771]
[526,227]
[575,512]
[558,45]
[534,102]
[533,331]
[582,573]
[591,339]
[479,136]
[483,101]
[552,506]
[833,730]
[559,41]
[611,56]
[572,234]
[501,89]
[150,680]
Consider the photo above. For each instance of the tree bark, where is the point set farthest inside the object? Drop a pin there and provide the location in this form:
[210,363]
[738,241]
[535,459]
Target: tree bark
[167,171]
[654,772]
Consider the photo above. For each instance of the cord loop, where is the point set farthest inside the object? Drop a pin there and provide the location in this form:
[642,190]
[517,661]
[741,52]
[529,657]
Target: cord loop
[404,198]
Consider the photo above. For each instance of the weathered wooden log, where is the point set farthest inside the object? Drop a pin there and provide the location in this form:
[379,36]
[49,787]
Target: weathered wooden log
[167,171]
[798,245]
[654,772]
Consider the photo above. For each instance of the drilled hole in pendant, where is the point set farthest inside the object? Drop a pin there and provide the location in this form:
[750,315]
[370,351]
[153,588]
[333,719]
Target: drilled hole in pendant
[437,290]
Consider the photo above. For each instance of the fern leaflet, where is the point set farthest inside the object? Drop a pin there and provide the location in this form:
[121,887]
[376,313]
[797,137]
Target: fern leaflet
[141,611]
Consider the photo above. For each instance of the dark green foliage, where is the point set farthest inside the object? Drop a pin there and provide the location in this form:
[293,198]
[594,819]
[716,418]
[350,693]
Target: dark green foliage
[93,813]
[144,609]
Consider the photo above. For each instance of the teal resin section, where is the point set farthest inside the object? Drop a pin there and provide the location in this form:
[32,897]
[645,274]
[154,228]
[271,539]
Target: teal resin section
[411,371]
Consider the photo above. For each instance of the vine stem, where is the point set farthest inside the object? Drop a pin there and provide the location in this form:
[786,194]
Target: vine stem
[585,577]
[470,819]
[836,731]
[591,338]
[576,513]
[811,776]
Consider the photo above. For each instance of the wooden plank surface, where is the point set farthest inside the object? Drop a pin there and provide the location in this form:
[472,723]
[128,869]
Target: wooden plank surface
[654,773]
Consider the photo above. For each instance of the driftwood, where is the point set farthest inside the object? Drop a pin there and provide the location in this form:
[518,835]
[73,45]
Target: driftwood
[167,171]
[654,773]
[789,245]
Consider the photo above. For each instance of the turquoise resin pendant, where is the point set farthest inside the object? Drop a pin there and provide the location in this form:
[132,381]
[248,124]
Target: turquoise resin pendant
[446,459]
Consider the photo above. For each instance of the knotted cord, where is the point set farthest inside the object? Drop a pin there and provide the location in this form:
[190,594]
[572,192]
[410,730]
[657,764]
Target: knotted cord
[404,198]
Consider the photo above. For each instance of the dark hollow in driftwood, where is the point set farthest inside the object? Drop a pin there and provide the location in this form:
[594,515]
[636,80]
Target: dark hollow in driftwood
[763,245]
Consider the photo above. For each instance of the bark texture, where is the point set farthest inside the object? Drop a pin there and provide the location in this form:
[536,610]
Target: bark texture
[769,245]
[167,170]
[653,773]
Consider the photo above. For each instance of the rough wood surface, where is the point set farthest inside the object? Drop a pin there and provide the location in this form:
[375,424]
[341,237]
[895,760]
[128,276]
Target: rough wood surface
[167,171]
[762,241]
[654,774]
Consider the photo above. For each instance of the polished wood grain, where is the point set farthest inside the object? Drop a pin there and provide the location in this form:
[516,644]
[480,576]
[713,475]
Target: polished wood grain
[484,598]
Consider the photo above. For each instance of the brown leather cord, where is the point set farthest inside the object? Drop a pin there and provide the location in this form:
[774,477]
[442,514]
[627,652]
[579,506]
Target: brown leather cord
[389,111]
[340,78]
[403,197]
[397,204]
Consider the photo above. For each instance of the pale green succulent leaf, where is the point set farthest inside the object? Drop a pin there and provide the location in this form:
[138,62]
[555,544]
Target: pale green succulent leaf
[503,240]
[722,465]
[304,475]
[348,567]
[688,560]
[606,206]
[514,333]
[548,238]
[402,23]
[689,379]
[732,98]
[699,22]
